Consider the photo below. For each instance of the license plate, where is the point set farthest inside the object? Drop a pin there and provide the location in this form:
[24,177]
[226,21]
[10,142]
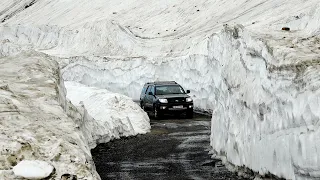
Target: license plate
[178,107]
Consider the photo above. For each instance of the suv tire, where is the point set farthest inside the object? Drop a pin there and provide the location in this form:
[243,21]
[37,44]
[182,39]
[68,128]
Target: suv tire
[156,113]
[189,114]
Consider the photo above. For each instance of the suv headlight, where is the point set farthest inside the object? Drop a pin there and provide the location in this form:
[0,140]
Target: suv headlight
[163,100]
[189,99]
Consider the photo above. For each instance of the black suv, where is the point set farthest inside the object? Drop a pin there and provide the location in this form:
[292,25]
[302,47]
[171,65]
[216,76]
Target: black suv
[166,97]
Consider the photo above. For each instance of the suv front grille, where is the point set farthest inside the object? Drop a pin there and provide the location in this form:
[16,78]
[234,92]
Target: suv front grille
[176,100]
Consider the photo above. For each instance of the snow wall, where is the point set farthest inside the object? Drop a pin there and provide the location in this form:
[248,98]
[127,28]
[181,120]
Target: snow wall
[38,122]
[266,108]
[129,76]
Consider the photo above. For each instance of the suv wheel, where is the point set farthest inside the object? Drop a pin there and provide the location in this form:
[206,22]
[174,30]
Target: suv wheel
[189,114]
[157,115]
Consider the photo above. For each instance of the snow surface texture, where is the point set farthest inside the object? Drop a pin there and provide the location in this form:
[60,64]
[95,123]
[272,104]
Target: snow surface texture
[116,115]
[39,123]
[266,112]
[33,169]
[261,83]
[34,122]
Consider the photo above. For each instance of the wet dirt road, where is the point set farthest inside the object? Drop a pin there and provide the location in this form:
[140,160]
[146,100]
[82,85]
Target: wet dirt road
[176,148]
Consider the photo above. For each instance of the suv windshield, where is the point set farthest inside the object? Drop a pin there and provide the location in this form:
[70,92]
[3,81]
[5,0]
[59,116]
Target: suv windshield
[169,89]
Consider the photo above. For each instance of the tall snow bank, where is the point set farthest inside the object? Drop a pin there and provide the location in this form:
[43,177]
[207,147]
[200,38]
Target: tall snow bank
[37,123]
[266,107]
[116,115]
[129,75]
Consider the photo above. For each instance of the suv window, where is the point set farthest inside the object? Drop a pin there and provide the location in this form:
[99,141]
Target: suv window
[169,89]
[152,89]
[148,89]
[144,90]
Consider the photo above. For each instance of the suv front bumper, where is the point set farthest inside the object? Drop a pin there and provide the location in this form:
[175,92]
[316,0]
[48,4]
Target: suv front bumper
[168,108]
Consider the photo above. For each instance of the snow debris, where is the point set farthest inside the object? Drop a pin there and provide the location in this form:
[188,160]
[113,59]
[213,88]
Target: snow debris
[33,169]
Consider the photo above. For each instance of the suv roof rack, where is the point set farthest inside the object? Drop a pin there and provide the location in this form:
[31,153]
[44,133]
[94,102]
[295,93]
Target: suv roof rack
[163,82]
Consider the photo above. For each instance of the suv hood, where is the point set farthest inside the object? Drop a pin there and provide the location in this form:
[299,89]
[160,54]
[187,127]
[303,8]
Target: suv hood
[172,96]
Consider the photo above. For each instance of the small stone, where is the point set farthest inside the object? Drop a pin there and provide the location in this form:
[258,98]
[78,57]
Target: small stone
[285,29]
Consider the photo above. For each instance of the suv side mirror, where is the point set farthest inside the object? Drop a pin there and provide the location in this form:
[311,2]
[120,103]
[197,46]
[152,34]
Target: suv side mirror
[188,91]
[150,93]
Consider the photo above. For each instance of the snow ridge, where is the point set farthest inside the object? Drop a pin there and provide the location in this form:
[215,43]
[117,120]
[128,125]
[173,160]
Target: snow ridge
[266,115]
[35,125]
[116,115]
[40,123]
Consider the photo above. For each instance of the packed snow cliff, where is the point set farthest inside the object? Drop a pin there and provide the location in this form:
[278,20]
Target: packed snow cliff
[260,83]
[34,120]
[266,114]
[38,123]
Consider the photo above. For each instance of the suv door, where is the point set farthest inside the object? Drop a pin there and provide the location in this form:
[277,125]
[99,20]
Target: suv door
[149,98]
[143,95]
